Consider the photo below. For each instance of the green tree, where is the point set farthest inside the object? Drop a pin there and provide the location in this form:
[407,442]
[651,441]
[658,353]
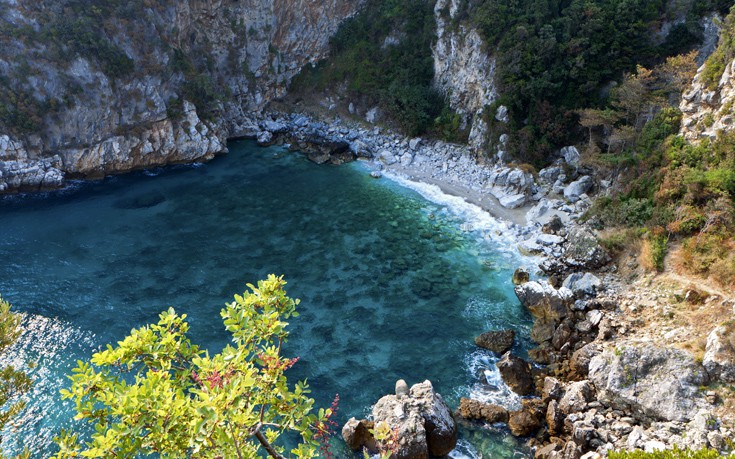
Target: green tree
[13,383]
[157,393]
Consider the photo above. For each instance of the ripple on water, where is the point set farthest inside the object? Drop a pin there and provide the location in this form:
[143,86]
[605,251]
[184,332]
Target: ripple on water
[392,285]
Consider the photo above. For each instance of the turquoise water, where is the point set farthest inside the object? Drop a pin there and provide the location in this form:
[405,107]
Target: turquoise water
[392,285]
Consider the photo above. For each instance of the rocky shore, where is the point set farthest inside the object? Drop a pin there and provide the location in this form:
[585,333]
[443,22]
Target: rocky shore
[597,380]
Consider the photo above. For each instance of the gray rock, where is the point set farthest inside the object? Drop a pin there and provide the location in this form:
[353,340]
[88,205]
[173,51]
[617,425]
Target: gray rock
[264,138]
[719,355]
[512,187]
[357,434]
[414,144]
[658,383]
[422,422]
[373,115]
[574,190]
[387,157]
[401,388]
[576,397]
[571,155]
[543,300]
[583,285]
[502,114]
[550,174]
[583,251]
[275,127]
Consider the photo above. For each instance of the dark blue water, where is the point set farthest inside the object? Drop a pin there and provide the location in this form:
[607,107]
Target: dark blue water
[392,285]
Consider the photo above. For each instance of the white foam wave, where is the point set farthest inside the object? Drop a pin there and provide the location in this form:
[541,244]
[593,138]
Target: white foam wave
[474,219]
[489,386]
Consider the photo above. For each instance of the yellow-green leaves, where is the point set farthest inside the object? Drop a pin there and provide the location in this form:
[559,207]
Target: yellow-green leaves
[157,393]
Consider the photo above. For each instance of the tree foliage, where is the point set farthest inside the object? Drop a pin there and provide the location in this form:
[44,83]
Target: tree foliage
[157,393]
[13,383]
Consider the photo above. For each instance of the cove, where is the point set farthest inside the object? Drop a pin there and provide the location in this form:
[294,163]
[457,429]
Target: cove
[392,285]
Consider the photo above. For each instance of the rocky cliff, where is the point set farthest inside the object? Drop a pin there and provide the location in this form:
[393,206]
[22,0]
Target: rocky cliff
[464,71]
[707,111]
[93,88]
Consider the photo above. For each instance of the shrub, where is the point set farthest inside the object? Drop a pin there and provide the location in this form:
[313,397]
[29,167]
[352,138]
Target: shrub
[653,250]
[676,453]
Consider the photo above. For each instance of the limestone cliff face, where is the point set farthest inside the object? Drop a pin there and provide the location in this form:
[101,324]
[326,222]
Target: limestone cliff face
[93,120]
[709,111]
[463,69]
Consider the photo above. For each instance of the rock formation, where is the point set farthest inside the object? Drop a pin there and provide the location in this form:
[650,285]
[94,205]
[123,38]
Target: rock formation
[420,420]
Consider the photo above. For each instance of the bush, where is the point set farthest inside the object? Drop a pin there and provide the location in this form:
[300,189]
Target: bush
[676,453]
[653,250]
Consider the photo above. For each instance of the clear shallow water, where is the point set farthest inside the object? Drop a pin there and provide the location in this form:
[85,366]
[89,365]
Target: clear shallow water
[392,285]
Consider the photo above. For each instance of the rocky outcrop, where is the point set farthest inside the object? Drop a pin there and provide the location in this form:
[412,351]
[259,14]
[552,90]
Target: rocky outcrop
[463,70]
[478,411]
[652,382]
[512,187]
[103,121]
[719,355]
[516,373]
[420,420]
[707,111]
[497,341]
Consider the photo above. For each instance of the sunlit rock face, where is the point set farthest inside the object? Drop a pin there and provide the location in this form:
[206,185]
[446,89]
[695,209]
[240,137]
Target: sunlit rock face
[108,88]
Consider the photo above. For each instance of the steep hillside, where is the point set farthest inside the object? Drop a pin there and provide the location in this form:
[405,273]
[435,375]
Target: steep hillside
[89,88]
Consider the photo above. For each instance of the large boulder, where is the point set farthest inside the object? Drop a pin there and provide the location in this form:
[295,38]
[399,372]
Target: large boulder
[476,410]
[516,373]
[577,188]
[719,355]
[512,187]
[583,285]
[652,382]
[543,300]
[576,397]
[421,420]
[528,419]
[583,251]
[497,341]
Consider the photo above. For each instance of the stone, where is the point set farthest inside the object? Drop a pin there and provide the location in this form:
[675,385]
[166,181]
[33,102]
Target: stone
[576,397]
[387,157]
[659,383]
[553,226]
[574,190]
[516,373]
[549,240]
[719,355]
[582,285]
[422,422]
[543,300]
[545,452]
[520,276]
[502,114]
[497,341]
[265,138]
[510,186]
[553,389]
[475,410]
[579,363]
[357,434]
[414,144]
[401,388]
[583,251]
[550,174]
[528,420]
[571,155]
[376,174]
[554,419]
[372,115]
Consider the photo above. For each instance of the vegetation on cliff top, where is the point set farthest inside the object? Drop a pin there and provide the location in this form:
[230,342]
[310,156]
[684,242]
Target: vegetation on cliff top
[158,393]
[676,191]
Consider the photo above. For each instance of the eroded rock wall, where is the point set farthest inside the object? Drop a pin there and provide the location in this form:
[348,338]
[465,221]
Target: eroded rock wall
[95,122]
